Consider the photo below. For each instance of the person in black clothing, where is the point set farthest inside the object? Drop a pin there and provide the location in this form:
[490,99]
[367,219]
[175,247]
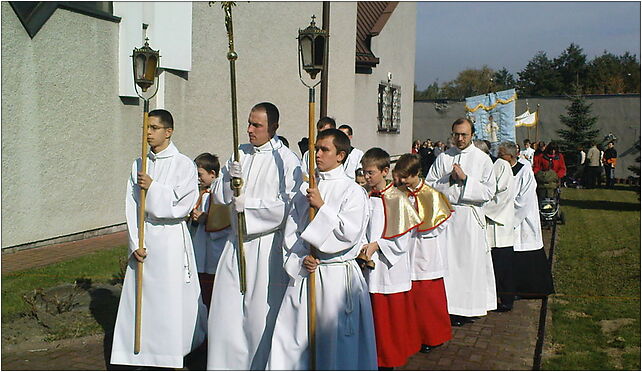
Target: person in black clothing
[427,158]
[609,160]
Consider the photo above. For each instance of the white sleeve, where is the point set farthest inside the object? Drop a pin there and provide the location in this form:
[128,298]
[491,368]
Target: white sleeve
[174,200]
[393,249]
[335,229]
[131,207]
[482,189]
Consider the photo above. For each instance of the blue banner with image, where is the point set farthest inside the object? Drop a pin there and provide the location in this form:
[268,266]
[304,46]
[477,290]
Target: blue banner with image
[493,116]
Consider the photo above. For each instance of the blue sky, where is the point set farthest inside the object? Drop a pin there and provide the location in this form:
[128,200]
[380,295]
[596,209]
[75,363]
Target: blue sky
[453,36]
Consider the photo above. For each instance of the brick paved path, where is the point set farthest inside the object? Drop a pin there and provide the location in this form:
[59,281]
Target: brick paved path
[498,341]
[46,255]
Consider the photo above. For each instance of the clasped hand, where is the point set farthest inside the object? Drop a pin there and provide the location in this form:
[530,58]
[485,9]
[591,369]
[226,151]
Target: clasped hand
[457,173]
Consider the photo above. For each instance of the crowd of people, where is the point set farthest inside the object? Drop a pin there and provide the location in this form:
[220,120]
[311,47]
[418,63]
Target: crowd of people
[401,254]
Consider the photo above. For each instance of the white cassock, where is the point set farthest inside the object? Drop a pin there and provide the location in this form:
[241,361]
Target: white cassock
[173,315]
[528,228]
[240,327]
[470,283]
[352,163]
[208,246]
[500,211]
[345,338]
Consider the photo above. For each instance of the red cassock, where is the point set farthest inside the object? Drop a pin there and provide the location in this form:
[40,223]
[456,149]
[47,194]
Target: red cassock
[396,328]
[431,309]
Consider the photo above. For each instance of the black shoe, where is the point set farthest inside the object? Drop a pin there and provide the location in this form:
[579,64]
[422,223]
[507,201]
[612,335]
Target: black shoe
[501,308]
[426,348]
[456,321]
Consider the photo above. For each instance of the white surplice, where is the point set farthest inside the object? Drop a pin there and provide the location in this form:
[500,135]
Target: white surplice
[470,283]
[429,250]
[500,211]
[345,338]
[528,228]
[208,246]
[240,327]
[352,163]
[392,262]
[173,315]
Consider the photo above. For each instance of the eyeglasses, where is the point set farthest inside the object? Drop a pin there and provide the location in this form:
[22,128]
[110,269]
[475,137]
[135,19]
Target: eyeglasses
[156,127]
[462,135]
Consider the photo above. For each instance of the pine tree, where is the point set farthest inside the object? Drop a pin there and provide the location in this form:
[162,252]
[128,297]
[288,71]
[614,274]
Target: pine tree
[580,124]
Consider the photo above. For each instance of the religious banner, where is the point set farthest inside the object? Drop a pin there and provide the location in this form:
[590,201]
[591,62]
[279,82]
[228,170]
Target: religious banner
[493,116]
[527,119]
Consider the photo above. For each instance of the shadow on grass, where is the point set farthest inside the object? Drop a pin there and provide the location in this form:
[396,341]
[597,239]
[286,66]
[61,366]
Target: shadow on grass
[103,307]
[601,204]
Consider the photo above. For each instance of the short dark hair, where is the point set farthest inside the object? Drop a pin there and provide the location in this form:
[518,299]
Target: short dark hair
[376,156]
[339,139]
[163,116]
[407,165]
[346,126]
[464,120]
[209,162]
[325,121]
[527,141]
[272,114]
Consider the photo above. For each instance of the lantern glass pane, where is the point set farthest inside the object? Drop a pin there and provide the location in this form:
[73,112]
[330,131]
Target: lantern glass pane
[306,50]
[150,69]
[139,67]
[319,50]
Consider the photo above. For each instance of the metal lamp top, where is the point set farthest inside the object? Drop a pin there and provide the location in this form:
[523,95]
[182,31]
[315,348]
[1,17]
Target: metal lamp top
[312,48]
[145,63]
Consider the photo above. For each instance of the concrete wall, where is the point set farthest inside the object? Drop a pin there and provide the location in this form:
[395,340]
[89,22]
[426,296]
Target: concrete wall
[619,115]
[68,139]
[393,48]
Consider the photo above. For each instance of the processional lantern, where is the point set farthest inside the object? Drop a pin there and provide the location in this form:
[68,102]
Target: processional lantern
[312,57]
[145,62]
[312,49]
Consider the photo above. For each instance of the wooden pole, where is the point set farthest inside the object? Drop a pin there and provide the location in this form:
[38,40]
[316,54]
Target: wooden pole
[325,26]
[312,303]
[141,234]
[537,123]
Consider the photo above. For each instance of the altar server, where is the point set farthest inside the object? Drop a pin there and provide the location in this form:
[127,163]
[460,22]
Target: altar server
[428,256]
[532,272]
[173,315]
[389,234]
[465,175]
[241,326]
[500,213]
[345,338]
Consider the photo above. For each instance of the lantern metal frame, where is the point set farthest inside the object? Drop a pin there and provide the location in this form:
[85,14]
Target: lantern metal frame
[149,78]
[318,39]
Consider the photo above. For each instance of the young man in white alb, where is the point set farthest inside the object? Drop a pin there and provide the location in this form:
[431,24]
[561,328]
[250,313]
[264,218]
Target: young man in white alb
[345,337]
[173,315]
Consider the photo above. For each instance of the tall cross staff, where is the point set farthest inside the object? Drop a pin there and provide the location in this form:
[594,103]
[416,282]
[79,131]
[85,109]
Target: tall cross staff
[145,63]
[237,183]
[313,55]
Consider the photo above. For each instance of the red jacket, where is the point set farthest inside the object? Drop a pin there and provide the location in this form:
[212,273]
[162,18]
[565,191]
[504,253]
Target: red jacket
[542,162]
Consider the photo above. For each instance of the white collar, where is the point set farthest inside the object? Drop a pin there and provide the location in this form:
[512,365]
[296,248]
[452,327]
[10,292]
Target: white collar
[336,173]
[168,152]
[269,146]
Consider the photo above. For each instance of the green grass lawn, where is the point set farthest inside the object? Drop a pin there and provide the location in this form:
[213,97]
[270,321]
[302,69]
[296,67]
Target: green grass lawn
[100,267]
[596,310]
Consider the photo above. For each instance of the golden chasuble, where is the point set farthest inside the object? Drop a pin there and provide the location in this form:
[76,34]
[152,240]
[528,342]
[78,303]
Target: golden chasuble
[218,217]
[399,214]
[432,206]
